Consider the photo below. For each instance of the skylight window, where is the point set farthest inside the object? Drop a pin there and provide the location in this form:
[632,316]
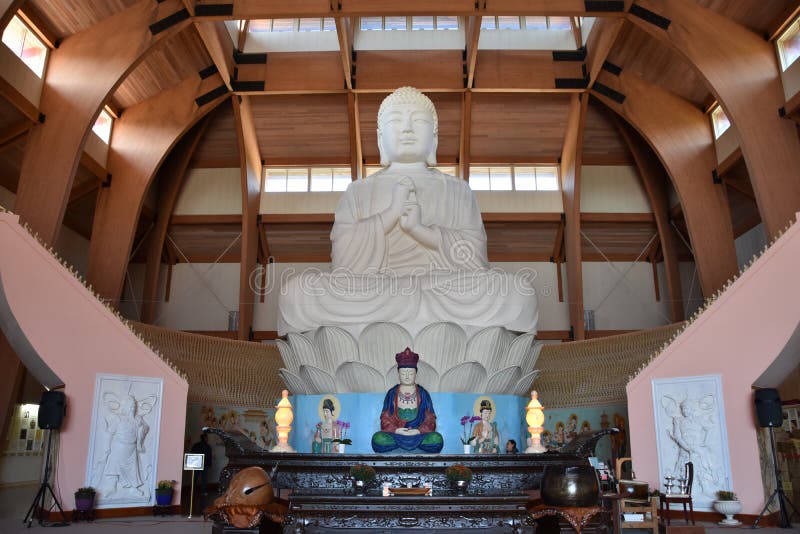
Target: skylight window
[789,44]
[304,179]
[102,126]
[26,45]
[291,25]
[421,23]
[719,121]
[525,23]
[513,177]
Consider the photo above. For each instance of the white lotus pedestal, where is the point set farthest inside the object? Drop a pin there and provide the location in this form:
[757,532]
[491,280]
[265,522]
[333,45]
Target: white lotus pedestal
[330,360]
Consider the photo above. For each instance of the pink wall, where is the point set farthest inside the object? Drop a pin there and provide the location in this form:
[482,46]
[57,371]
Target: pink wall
[77,336]
[737,337]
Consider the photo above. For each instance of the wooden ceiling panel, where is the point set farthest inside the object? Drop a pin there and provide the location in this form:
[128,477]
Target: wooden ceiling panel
[518,127]
[520,241]
[301,126]
[219,146]
[206,243]
[11,163]
[622,240]
[299,242]
[9,116]
[757,16]
[424,69]
[657,63]
[175,59]
[66,17]
[601,139]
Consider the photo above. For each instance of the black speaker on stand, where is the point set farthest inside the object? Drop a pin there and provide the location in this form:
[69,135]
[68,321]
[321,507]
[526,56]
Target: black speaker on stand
[770,415]
[52,409]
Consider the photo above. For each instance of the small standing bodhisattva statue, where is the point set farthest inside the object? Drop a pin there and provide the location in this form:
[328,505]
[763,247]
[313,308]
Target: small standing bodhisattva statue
[408,421]
[327,430]
[487,438]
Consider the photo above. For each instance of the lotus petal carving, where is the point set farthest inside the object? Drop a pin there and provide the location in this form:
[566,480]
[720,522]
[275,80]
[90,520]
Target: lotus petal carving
[330,360]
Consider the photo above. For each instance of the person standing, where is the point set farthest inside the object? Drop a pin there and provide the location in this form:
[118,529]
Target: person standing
[202,447]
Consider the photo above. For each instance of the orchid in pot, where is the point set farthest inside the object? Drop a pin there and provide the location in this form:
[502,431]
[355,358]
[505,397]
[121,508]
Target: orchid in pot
[342,440]
[466,435]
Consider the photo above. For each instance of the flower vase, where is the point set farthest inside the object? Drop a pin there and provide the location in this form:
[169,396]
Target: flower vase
[728,509]
[467,448]
[340,448]
[459,486]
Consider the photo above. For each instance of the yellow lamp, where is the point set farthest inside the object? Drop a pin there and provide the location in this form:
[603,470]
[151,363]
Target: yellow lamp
[534,416]
[283,423]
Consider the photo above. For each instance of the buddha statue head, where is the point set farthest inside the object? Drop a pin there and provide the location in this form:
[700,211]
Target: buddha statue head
[408,128]
[407,366]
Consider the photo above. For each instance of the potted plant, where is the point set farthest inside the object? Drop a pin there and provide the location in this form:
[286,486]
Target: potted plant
[343,440]
[466,435]
[164,490]
[84,499]
[362,475]
[728,505]
[459,477]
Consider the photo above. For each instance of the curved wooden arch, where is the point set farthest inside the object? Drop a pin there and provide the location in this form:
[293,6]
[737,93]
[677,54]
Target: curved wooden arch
[741,70]
[79,81]
[143,137]
[680,136]
[655,179]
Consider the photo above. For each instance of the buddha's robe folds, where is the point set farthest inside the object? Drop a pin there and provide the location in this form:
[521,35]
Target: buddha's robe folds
[390,276]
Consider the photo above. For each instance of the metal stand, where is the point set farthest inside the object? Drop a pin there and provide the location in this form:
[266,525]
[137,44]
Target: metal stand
[37,507]
[191,497]
[782,500]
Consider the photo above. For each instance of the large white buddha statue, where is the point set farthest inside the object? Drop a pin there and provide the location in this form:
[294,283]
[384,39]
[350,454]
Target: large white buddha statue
[408,245]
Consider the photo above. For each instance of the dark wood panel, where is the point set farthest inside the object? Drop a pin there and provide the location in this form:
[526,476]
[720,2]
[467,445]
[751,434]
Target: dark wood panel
[218,147]
[601,137]
[515,125]
[66,17]
[756,16]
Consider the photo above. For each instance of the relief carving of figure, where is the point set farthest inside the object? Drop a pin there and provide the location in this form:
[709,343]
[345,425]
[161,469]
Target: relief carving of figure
[408,244]
[692,420]
[119,471]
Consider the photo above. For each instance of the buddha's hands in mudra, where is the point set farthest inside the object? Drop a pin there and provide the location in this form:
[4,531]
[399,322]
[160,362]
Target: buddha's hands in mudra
[410,219]
[407,431]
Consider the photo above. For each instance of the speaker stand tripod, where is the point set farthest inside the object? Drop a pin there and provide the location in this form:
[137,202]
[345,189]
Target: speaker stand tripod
[782,499]
[37,508]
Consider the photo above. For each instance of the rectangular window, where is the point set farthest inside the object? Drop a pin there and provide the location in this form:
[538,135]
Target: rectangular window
[304,179]
[297,181]
[328,25]
[26,45]
[371,23]
[310,25]
[395,23]
[508,23]
[259,26]
[488,23]
[283,25]
[276,181]
[341,179]
[321,179]
[102,126]
[421,23]
[513,177]
[789,44]
[559,23]
[447,23]
[720,121]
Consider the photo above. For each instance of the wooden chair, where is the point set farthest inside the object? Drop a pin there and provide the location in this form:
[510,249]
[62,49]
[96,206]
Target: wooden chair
[684,499]
[618,467]
[649,509]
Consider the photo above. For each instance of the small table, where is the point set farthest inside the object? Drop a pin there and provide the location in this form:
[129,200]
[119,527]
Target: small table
[341,511]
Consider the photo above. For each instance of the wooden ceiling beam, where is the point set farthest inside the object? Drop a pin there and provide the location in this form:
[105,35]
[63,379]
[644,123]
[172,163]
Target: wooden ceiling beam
[655,181]
[81,191]
[344,32]
[740,69]
[354,131]
[473,33]
[172,177]
[40,27]
[601,40]
[142,138]
[571,193]
[218,43]
[558,245]
[12,95]
[268,9]
[524,71]
[13,132]
[82,74]
[577,34]
[680,135]
[242,42]
[465,136]
[251,171]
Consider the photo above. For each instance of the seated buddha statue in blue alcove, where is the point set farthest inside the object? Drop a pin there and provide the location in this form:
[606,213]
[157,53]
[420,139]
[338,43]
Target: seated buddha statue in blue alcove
[408,422]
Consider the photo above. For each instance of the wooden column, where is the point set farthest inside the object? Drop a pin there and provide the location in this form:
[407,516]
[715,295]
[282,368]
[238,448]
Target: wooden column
[571,191]
[655,181]
[251,168]
[742,71]
[82,73]
[142,138]
[173,175]
[601,39]
[680,135]
[354,129]
[465,132]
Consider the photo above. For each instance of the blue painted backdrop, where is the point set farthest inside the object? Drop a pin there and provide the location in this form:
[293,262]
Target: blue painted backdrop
[363,411]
